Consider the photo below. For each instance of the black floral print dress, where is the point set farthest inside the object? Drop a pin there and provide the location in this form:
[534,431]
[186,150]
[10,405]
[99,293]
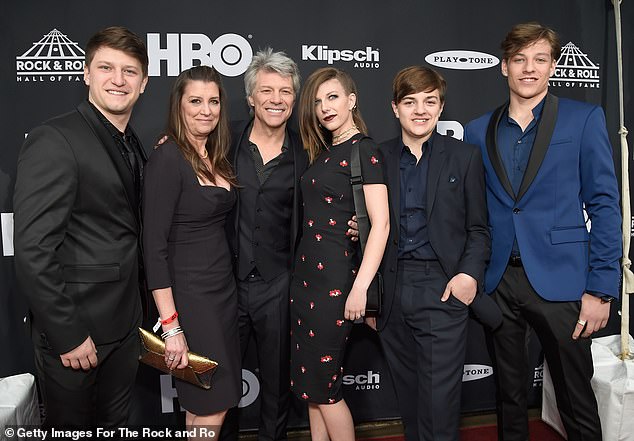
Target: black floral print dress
[325,268]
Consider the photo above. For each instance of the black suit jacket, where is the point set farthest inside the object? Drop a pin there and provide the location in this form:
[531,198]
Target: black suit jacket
[273,262]
[76,232]
[456,212]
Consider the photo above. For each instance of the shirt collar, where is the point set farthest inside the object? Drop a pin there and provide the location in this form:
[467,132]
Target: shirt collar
[537,111]
[285,144]
[429,143]
[106,122]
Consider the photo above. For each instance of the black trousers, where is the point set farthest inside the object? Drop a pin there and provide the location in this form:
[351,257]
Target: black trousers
[97,397]
[424,342]
[263,311]
[569,361]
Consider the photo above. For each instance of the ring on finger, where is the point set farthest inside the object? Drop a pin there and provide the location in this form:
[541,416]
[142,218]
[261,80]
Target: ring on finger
[581,322]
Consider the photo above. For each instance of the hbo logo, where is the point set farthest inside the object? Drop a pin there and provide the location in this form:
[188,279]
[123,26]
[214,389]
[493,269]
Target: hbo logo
[230,54]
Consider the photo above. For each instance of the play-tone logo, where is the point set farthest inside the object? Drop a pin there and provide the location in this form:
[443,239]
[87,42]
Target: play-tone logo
[362,58]
[575,69]
[229,54]
[54,58]
[462,60]
[473,372]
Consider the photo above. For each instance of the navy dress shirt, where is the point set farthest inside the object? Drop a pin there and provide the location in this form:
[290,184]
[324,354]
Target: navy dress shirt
[413,234]
[514,147]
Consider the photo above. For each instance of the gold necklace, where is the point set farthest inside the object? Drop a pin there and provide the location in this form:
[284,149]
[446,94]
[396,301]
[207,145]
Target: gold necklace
[336,138]
[205,155]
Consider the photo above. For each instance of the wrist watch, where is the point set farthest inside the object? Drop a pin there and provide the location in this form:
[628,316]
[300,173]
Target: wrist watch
[606,299]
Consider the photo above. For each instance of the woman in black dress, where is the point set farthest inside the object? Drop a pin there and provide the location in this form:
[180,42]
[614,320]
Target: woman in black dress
[330,281]
[187,195]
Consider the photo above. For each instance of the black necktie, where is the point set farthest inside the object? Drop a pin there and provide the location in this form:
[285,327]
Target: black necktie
[132,159]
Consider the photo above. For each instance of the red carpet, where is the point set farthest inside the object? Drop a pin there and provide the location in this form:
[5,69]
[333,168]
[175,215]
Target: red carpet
[539,431]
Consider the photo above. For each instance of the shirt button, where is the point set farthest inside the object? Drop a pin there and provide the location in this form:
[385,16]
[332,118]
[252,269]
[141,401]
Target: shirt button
[519,142]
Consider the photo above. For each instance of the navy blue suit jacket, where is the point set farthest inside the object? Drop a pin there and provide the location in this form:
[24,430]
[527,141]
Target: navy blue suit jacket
[570,165]
[456,212]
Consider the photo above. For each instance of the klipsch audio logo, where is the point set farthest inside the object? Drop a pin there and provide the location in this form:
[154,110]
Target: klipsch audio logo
[474,372]
[462,60]
[229,54]
[574,69]
[367,381]
[364,58]
[54,58]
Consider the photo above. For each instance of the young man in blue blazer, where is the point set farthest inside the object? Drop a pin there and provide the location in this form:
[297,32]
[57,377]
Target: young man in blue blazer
[546,159]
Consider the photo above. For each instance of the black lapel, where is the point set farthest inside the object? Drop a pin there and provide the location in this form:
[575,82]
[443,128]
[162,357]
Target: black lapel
[545,130]
[494,154]
[108,142]
[299,166]
[436,163]
[393,170]
[233,155]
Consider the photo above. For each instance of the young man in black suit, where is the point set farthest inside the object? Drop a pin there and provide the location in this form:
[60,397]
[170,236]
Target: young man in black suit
[435,258]
[77,225]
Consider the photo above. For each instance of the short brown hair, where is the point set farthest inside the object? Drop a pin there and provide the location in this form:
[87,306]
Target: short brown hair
[525,34]
[314,137]
[415,79]
[119,38]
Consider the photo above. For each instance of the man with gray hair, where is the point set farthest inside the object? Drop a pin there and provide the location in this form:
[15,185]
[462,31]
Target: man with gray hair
[268,160]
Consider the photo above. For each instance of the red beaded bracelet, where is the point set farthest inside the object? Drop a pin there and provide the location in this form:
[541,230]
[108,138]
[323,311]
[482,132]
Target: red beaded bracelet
[167,321]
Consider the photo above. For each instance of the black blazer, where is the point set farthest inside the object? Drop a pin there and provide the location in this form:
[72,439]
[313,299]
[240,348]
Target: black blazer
[456,212]
[76,232]
[274,263]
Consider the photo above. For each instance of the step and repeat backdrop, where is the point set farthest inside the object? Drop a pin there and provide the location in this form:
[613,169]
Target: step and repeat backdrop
[42,46]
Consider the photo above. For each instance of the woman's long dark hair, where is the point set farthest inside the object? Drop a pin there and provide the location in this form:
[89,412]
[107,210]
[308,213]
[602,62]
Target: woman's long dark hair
[219,140]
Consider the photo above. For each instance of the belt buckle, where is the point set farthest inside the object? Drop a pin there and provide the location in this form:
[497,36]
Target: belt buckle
[515,260]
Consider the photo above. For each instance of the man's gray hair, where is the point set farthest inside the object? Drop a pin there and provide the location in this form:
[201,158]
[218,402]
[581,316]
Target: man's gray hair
[268,61]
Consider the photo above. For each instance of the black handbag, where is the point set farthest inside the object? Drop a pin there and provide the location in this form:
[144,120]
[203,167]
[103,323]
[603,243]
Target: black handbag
[375,290]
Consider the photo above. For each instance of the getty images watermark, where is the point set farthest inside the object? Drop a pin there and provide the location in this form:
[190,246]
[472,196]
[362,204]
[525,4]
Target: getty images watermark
[33,433]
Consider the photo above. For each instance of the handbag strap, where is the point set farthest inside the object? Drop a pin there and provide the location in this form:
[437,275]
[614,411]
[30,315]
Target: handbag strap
[356,180]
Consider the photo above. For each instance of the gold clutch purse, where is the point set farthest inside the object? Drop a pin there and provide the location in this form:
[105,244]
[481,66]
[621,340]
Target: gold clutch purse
[198,372]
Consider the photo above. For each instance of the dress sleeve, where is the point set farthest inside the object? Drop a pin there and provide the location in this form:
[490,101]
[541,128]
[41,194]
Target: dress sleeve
[161,193]
[371,162]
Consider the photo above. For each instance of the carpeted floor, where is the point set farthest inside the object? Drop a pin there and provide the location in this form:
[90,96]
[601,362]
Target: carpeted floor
[472,428]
